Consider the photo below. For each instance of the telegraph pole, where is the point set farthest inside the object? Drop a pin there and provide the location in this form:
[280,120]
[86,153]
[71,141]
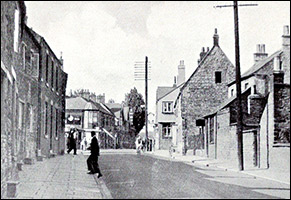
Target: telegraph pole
[239,119]
[139,74]
[146,101]
[239,128]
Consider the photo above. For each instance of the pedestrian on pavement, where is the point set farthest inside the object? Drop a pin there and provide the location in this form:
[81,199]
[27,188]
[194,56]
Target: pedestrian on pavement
[138,144]
[92,161]
[72,142]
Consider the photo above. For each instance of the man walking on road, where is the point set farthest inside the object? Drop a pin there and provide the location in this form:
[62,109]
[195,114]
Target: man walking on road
[92,161]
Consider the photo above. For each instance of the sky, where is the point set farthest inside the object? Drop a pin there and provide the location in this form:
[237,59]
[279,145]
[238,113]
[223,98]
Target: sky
[101,41]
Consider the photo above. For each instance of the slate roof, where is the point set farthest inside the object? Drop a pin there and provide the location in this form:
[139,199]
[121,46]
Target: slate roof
[79,103]
[225,104]
[257,66]
[114,107]
[164,91]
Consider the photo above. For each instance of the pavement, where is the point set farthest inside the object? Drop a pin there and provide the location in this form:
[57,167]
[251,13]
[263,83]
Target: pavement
[60,177]
[270,174]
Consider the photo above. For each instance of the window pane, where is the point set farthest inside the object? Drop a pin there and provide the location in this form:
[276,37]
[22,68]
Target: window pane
[217,77]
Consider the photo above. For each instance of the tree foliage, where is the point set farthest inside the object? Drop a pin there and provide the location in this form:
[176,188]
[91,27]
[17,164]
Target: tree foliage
[135,101]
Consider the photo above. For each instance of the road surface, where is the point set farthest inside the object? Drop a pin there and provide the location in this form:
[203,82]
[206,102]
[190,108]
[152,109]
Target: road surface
[144,176]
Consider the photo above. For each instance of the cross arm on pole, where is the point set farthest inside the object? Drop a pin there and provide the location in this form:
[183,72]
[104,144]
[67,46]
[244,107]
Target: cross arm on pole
[223,6]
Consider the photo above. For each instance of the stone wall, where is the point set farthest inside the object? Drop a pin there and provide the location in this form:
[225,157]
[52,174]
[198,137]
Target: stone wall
[8,92]
[226,137]
[201,95]
[282,113]
[52,92]
[227,142]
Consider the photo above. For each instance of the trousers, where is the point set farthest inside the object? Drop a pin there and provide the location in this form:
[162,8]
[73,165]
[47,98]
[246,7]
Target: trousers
[92,163]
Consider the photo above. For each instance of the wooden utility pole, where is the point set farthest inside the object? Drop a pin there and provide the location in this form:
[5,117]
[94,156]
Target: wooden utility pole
[239,126]
[146,101]
[239,119]
[142,72]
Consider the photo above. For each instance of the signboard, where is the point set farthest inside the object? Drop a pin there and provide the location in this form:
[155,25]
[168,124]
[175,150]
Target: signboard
[74,119]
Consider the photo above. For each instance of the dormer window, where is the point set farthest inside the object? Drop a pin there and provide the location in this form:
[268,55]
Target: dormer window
[217,77]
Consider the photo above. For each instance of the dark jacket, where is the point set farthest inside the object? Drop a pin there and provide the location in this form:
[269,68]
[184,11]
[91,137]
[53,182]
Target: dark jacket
[94,147]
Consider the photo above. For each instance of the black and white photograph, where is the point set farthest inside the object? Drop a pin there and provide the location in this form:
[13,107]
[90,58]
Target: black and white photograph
[145,99]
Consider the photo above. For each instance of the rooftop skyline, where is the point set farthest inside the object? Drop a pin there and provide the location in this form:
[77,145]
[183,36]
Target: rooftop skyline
[101,41]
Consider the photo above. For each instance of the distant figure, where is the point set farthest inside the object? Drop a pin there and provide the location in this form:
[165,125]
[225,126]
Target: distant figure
[92,161]
[143,146]
[84,144]
[72,141]
[138,144]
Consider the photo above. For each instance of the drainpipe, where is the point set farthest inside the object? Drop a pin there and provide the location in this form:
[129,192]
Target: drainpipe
[268,164]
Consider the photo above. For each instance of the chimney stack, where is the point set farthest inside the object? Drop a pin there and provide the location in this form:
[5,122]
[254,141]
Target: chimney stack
[286,38]
[203,53]
[181,73]
[215,38]
[260,54]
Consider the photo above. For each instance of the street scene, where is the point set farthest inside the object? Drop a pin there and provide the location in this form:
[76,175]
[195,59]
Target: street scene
[145,100]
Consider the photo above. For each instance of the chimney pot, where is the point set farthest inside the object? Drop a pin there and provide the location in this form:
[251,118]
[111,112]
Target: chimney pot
[262,48]
[260,53]
[258,48]
[286,30]
[207,49]
[181,73]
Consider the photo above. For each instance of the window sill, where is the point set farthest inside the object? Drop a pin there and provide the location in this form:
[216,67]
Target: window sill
[281,145]
[47,84]
[46,136]
[170,137]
